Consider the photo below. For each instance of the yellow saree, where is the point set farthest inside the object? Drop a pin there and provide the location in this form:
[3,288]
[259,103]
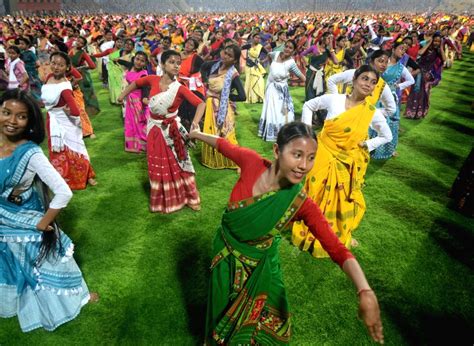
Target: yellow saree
[375,96]
[331,68]
[254,77]
[211,157]
[335,181]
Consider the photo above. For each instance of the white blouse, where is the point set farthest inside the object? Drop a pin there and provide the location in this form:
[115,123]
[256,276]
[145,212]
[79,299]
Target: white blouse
[386,98]
[39,165]
[335,104]
[407,78]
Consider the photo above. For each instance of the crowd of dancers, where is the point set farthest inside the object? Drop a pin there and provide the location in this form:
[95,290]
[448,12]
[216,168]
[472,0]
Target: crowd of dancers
[177,79]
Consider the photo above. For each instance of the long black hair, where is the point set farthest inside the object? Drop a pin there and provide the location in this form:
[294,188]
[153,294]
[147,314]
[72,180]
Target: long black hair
[35,132]
[143,54]
[292,131]
[50,244]
[237,52]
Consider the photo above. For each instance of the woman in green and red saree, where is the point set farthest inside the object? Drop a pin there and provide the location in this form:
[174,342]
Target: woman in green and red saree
[247,299]
[83,63]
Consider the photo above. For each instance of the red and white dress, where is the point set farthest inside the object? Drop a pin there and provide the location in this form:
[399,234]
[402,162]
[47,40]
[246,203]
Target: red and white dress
[67,151]
[170,169]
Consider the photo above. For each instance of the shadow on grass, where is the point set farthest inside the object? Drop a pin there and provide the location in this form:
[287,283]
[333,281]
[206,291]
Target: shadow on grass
[457,112]
[422,183]
[193,273]
[421,326]
[406,124]
[462,100]
[146,187]
[455,239]
[407,214]
[67,222]
[453,125]
[439,154]
[459,83]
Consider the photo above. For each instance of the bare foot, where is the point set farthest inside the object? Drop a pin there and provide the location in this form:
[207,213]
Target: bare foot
[93,136]
[93,297]
[395,154]
[354,243]
[195,207]
[92,182]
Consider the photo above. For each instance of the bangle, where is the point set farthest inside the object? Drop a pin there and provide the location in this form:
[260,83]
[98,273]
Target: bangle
[363,290]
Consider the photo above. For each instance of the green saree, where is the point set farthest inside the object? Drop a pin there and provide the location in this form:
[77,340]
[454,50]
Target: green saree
[116,75]
[247,301]
[87,88]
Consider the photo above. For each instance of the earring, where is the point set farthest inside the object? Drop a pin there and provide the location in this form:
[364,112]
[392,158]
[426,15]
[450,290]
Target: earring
[31,131]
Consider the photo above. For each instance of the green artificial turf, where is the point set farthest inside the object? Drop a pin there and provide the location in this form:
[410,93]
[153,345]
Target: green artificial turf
[151,270]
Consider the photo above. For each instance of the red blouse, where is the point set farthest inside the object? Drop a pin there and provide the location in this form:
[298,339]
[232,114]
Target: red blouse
[104,53]
[85,58]
[183,93]
[252,166]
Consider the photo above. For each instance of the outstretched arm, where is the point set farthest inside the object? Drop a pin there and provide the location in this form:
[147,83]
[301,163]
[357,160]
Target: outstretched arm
[131,87]
[195,133]
[369,310]
[318,225]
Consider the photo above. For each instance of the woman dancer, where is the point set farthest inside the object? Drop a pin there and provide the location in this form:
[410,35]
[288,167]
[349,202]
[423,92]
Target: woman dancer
[15,72]
[39,280]
[190,75]
[431,64]
[67,150]
[254,71]
[278,105]
[382,92]
[222,78]
[31,62]
[335,182]
[332,67]
[74,76]
[136,112]
[170,169]
[82,62]
[115,71]
[320,53]
[393,75]
[247,301]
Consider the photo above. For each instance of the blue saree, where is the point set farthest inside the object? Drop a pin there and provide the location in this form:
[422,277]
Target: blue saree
[391,76]
[45,294]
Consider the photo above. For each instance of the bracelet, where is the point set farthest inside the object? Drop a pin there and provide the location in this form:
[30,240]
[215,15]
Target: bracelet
[363,290]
